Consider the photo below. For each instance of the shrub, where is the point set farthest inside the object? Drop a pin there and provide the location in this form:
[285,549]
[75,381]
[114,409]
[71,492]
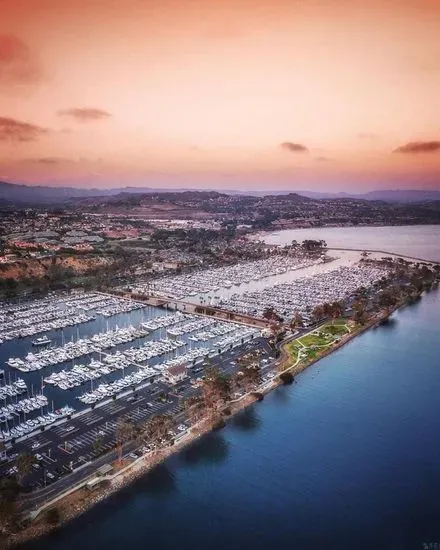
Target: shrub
[258,395]
[286,377]
[52,516]
[219,424]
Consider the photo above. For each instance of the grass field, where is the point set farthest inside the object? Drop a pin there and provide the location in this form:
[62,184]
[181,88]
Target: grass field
[311,345]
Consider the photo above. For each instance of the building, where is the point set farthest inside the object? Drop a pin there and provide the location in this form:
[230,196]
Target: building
[175,373]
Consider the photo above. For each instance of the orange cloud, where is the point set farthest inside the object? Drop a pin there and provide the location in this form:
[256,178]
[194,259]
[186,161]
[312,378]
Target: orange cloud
[16,130]
[85,114]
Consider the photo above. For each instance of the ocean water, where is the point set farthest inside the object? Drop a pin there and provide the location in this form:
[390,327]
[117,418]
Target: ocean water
[419,241]
[346,457]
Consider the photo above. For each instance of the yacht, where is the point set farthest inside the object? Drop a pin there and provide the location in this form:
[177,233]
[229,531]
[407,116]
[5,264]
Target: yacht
[42,341]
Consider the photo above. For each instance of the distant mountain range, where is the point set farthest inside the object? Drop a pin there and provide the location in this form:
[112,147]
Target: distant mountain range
[14,194]
[396,195]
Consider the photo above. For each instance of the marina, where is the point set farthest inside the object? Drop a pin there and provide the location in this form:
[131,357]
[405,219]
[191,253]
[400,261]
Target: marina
[220,278]
[57,312]
[100,359]
[303,294]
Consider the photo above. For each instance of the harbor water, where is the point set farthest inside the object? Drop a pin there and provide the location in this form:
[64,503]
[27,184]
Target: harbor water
[418,241]
[346,457]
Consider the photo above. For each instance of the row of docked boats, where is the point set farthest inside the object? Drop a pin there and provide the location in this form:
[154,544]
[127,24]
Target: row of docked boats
[220,329]
[24,405]
[11,390]
[104,391]
[214,279]
[302,295]
[236,338]
[104,305]
[164,321]
[153,348]
[58,312]
[36,325]
[80,374]
[29,426]
[73,350]
[191,326]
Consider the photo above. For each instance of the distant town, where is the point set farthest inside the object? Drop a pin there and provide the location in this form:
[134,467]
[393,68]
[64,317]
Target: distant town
[89,241]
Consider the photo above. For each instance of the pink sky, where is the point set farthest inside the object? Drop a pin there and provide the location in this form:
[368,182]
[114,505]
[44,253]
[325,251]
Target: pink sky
[235,94]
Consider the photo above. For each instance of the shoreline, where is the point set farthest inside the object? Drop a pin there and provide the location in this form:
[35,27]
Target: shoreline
[81,501]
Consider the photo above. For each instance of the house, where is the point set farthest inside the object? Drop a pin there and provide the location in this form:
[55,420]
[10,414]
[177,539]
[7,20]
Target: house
[175,373]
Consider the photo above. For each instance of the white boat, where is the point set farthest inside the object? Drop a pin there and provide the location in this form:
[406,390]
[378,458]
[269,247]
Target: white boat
[42,341]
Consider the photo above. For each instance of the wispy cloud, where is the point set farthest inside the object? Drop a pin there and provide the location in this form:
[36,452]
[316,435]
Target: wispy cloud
[323,159]
[85,114]
[294,147]
[416,147]
[17,64]
[50,160]
[367,136]
[17,130]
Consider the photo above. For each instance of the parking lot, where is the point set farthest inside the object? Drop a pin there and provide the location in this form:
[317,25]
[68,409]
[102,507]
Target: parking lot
[83,439]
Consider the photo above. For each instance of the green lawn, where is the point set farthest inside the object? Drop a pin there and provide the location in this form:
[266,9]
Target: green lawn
[292,349]
[335,330]
[322,338]
[316,340]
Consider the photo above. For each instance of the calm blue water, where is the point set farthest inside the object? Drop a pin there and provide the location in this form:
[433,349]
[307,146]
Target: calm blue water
[347,457]
[419,241]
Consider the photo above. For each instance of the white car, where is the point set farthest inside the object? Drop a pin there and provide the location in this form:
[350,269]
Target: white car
[35,445]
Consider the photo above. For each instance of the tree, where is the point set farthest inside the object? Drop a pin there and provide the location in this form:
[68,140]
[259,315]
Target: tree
[158,429]
[124,432]
[194,408]
[359,312]
[251,376]
[388,299]
[216,390]
[24,464]
[297,321]
[336,309]
[318,313]
[97,444]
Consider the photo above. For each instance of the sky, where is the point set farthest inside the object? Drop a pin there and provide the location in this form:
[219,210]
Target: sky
[328,95]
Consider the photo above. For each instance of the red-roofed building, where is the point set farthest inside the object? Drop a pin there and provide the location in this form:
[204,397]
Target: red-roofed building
[175,373]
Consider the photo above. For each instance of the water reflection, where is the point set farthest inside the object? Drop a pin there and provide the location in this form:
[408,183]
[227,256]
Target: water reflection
[211,449]
[160,481]
[247,420]
[282,393]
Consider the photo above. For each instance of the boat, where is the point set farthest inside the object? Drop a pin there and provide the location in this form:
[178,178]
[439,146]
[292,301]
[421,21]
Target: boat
[42,341]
